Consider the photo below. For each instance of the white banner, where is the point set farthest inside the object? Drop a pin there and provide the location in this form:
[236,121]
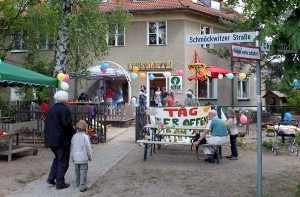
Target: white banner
[220,38]
[182,116]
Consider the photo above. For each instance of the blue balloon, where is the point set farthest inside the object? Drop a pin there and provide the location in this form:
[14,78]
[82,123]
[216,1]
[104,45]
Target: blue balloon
[104,66]
[133,75]
[288,116]
[151,77]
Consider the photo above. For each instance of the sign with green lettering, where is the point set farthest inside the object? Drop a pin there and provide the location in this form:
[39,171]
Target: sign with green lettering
[175,84]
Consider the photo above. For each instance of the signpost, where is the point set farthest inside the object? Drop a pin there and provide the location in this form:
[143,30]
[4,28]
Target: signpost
[245,52]
[240,37]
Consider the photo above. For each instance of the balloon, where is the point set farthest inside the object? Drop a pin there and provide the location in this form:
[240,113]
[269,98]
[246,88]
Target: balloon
[229,75]
[135,105]
[67,78]
[296,84]
[180,72]
[133,75]
[61,76]
[243,119]
[151,77]
[133,100]
[142,76]
[64,86]
[288,116]
[167,74]
[135,69]
[103,71]
[242,76]
[162,125]
[220,76]
[296,80]
[104,66]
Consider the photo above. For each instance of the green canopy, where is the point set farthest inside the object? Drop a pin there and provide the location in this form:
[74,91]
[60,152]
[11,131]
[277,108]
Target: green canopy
[11,75]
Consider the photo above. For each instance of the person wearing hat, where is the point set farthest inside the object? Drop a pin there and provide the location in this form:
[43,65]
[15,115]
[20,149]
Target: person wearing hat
[58,132]
[189,101]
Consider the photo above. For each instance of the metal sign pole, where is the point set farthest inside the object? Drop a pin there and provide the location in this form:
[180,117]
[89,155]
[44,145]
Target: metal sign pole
[259,134]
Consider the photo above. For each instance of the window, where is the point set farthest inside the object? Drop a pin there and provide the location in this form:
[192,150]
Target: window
[243,89]
[18,42]
[45,43]
[205,30]
[207,89]
[116,38]
[157,33]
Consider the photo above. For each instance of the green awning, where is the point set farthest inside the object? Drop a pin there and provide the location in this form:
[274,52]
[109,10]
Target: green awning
[11,75]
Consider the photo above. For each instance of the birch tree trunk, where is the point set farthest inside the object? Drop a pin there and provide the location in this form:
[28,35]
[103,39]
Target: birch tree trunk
[61,47]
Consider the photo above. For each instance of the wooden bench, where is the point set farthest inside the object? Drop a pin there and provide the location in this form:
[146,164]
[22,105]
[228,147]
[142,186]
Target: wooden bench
[151,144]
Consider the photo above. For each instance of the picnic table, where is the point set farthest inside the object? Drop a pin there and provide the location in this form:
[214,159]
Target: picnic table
[8,148]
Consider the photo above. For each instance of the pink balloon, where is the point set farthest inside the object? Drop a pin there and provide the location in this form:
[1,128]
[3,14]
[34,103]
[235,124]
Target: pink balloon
[167,74]
[243,119]
[180,72]
[67,78]
[103,71]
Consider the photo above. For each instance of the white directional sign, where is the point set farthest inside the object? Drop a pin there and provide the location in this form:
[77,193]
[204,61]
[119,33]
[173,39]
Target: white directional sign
[285,48]
[220,38]
[245,52]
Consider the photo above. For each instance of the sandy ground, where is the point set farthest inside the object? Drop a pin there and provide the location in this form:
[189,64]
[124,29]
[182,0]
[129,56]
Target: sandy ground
[171,171]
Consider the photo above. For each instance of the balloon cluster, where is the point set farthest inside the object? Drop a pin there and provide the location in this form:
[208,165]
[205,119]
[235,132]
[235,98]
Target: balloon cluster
[104,66]
[134,74]
[63,79]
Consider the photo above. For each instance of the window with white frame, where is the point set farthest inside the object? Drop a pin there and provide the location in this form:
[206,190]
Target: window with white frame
[205,30]
[45,43]
[207,89]
[116,38]
[157,33]
[243,91]
[18,42]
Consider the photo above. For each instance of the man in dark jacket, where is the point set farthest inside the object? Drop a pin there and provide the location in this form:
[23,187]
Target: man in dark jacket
[58,134]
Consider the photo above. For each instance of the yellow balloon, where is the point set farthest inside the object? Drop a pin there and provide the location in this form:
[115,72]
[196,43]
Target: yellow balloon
[135,69]
[142,76]
[242,76]
[61,76]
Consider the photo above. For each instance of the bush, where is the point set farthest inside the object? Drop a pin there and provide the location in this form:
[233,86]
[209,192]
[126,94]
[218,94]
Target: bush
[267,144]
[297,190]
[298,138]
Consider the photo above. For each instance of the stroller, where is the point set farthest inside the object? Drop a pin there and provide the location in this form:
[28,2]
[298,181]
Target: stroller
[287,132]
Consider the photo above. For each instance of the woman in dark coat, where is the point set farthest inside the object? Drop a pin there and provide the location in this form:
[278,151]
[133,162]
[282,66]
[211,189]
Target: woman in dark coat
[58,134]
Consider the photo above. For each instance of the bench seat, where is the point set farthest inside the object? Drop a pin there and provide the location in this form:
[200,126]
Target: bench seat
[150,143]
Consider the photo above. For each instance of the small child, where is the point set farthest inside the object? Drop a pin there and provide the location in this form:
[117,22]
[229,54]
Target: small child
[233,134]
[81,153]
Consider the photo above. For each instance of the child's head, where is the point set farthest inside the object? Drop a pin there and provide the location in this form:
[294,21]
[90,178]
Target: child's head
[196,131]
[231,113]
[81,125]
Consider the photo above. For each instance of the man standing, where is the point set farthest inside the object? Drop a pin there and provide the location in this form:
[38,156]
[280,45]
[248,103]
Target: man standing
[58,134]
[218,135]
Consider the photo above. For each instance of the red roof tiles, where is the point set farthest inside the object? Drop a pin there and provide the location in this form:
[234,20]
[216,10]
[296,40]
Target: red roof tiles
[165,5]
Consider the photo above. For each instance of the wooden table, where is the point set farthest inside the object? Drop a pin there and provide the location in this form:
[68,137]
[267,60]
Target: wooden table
[10,148]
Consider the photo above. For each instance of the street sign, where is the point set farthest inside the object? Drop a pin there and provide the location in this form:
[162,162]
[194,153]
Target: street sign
[245,52]
[285,48]
[236,37]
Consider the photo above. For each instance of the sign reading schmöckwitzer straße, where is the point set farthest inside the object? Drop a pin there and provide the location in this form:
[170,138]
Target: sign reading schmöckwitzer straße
[220,38]
[245,52]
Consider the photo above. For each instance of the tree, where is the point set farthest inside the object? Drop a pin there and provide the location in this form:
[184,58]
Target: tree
[274,18]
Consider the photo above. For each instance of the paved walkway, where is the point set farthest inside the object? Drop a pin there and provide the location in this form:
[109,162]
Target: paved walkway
[120,142]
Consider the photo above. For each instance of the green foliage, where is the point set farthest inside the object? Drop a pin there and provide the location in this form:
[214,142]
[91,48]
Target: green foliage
[294,99]
[298,138]
[297,190]
[6,110]
[267,144]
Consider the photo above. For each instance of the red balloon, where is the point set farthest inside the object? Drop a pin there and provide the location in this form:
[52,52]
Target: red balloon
[67,78]
[103,71]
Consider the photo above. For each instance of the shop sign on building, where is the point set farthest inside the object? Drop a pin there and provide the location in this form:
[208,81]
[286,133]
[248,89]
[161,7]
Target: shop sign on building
[175,84]
[157,65]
